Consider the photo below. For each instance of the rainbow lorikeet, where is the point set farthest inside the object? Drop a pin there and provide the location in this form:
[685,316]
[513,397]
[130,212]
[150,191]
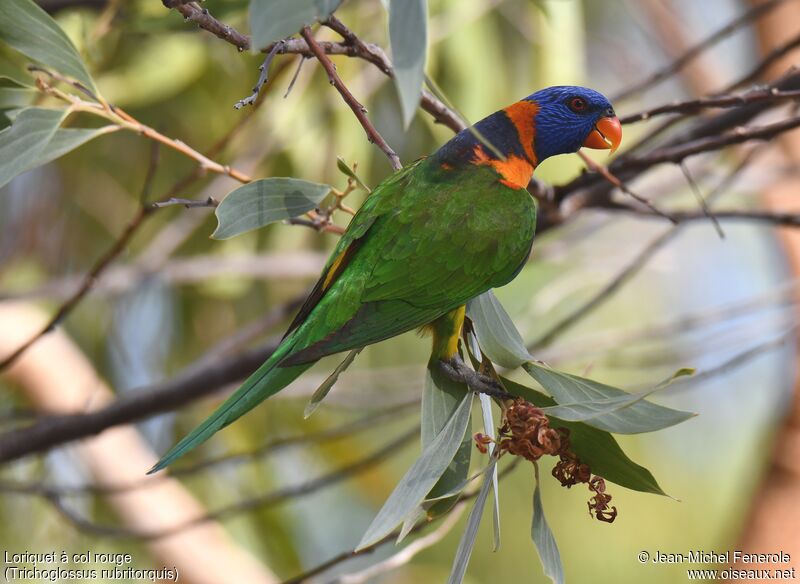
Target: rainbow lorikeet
[430,237]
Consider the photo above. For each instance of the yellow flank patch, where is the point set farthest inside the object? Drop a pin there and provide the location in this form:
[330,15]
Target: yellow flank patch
[458,322]
[523,115]
[516,171]
[333,270]
[446,332]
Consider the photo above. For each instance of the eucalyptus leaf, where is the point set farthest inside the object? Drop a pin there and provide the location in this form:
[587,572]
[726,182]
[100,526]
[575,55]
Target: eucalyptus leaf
[603,406]
[273,20]
[34,33]
[408,37]
[441,397]
[464,551]
[23,145]
[66,140]
[327,385]
[349,172]
[265,201]
[420,478]
[488,429]
[497,336]
[597,448]
[15,94]
[543,538]
[416,514]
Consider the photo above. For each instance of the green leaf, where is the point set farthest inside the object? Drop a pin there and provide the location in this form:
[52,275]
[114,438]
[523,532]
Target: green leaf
[497,335]
[68,139]
[349,172]
[265,201]
[441,397]
[273,20]
[597,448]
[603,406]
[543,538]
[488,429]
[34,33]
[408,37]
[420,478]
[328,384]
[23,145]
[14,94]
[467,542]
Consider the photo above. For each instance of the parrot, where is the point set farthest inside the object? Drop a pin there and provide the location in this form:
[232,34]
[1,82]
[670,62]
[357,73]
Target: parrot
[429,238]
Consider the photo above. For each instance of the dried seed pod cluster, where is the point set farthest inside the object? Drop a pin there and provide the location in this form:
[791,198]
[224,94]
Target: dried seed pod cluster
[526,432]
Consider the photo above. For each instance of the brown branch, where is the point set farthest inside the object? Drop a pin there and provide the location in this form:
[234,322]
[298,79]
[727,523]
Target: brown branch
[352,47]
[723,101]
[358,110]
[202,17]
[191,384]
[680,152]
[776,218]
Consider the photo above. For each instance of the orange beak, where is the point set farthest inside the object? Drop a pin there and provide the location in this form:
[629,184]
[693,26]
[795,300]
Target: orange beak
[606,135]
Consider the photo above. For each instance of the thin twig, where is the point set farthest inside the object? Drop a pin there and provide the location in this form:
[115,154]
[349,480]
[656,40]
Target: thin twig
[406,554]
[676,65]
[739,135]
[191,11]
[722,101]
[606,174]
[263,76]
[295,76]
[358,110]
[345,556]
[701,200]
[636,264]
[188,203]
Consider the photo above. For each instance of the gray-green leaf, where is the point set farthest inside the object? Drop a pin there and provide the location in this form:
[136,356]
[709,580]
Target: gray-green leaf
[544,540]
[265,201]
[597,448]
[24,144]
[420,478]
[497,335]
[34,33]
[602,406]
[441,397]
[327,385]
[408,37]
[467,542]
[272,20]
[14,94]
[488,428]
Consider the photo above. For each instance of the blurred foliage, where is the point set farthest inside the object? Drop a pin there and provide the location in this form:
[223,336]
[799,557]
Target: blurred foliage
[56,220]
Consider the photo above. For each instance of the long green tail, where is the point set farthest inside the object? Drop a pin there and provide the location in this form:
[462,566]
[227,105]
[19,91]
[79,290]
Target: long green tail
[268,380]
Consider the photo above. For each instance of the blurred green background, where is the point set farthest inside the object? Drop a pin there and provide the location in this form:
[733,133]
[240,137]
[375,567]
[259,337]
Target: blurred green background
[145,324]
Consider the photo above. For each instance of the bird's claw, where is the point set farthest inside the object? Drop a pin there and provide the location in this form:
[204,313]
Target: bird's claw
[457,370]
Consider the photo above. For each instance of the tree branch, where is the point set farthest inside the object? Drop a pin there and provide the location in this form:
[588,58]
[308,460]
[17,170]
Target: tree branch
[358,110]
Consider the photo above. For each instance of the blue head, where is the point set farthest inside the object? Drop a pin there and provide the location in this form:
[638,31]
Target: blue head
[571,117]
[556,120]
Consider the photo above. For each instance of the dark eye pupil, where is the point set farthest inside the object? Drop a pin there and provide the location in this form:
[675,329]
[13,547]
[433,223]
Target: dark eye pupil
[578,103]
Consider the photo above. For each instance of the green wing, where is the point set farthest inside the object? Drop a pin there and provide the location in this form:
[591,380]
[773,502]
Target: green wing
[424,242]
[442,239]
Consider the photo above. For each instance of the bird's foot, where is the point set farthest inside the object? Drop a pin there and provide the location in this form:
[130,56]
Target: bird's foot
[457,370]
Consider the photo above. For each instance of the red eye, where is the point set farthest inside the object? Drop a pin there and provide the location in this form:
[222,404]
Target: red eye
[577,104]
